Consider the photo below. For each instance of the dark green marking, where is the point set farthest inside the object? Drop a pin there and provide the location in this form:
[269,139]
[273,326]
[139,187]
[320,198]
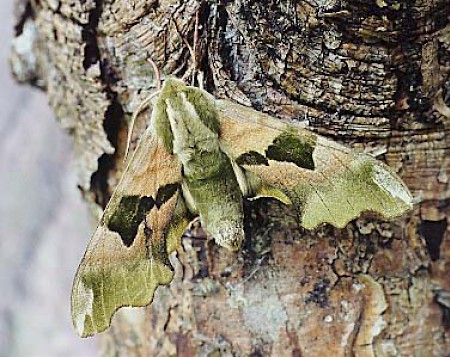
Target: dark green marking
[252,158]
[165,193]
[292,148]
[128,216]
[204,107]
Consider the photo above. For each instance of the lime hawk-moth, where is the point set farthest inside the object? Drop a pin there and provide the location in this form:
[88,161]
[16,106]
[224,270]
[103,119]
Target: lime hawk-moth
[204,156]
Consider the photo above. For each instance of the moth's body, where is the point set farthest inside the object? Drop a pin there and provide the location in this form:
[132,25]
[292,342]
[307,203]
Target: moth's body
[210,186]
[203,156]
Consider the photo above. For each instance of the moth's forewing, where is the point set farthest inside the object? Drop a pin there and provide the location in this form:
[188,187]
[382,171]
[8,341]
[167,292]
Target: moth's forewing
[127,257]
[327,182]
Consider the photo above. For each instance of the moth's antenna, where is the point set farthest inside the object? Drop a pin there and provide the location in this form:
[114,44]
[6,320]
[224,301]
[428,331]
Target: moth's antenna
[157,74]
[192,49]
[143,105]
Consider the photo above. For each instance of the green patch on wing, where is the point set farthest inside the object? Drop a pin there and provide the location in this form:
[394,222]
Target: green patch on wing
[291,147]
[130,212]
[364,185]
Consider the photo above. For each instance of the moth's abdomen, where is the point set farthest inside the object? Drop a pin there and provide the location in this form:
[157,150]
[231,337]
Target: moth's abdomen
[218,200]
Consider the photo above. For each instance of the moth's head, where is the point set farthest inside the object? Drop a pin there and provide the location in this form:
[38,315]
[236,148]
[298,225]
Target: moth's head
[172,86]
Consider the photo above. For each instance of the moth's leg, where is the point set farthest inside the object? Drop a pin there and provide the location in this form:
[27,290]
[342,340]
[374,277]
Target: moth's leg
[195,230]
[178,224]
[195,224]
[200,79]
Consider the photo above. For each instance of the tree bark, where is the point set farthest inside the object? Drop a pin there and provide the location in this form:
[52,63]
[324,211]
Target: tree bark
[373,74]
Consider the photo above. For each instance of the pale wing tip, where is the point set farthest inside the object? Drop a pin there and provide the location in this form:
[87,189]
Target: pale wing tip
[82,309]
[393,185]
[83,332]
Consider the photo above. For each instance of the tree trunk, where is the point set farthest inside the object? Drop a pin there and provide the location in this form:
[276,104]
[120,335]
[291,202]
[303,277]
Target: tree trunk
[373,74]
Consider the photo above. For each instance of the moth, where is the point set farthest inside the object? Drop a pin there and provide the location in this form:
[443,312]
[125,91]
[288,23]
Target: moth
[203,156]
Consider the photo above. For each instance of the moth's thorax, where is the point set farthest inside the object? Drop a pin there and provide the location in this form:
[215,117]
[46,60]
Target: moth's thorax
[194,140]
[190,134]
[186,119]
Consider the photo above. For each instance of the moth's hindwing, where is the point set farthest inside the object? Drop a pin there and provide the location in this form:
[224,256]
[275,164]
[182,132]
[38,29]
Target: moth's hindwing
[327,182]
[127,257]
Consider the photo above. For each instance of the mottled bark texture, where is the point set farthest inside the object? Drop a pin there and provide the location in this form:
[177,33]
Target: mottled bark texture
[372,73]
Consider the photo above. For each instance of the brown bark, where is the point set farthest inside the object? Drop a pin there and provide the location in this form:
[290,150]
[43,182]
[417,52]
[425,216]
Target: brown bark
[373,74]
